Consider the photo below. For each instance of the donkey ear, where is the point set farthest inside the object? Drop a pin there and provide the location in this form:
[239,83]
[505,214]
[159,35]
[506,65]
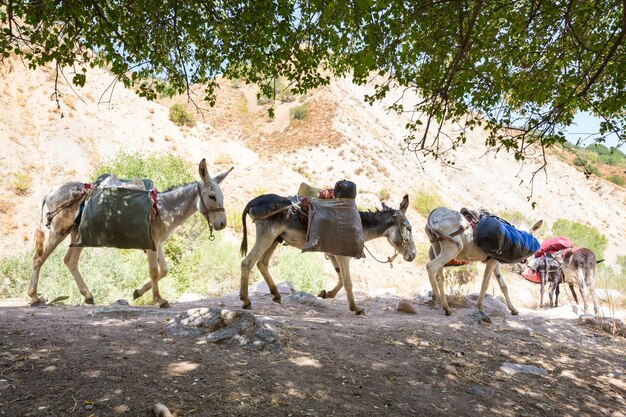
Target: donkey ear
[223,175]
[536,227]
[204,174]
[405,204]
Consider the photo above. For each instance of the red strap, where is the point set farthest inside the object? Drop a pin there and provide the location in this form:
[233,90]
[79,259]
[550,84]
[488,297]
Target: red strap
[153,194]
[87,185]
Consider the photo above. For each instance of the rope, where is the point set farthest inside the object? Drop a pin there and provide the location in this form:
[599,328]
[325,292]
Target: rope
[205,211]
[389,258]
[50,215]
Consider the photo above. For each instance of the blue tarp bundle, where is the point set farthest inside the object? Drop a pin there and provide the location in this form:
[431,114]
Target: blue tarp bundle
[501,241]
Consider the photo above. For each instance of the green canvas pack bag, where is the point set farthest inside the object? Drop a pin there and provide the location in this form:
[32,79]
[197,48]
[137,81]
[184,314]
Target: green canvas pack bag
[117,217]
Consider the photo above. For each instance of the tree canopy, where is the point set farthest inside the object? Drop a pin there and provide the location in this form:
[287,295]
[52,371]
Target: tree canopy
[527,64]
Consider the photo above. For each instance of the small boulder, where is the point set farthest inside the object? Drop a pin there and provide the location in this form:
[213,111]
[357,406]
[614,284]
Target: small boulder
[231,328]
[478,317]
[517,368]
[405,306]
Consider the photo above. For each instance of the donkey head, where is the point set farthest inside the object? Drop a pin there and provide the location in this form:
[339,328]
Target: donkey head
[211,199]
[401,234]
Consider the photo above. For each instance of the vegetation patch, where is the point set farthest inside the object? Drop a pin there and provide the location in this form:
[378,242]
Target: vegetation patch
[424,202]
[298,112]
[582,235]
[165,170]
[21,183]
[181,116]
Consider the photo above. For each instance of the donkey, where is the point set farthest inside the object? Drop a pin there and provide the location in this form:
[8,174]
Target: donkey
[174,207]
[283,225]
[451,237]
[551,272]
[580,267]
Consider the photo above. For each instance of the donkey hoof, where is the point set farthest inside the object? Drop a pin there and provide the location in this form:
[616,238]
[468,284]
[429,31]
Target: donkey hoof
[89,301]
[247,305]
[322,294]
[448,312]
[514,312]
[164,305]
[359,312]
[37,303]
[136,294]
[276,300]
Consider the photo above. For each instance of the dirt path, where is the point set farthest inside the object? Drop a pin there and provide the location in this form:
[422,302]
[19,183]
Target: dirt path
[82,361]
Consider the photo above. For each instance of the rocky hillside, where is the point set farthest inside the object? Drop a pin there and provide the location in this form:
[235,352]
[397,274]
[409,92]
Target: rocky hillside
[341,137]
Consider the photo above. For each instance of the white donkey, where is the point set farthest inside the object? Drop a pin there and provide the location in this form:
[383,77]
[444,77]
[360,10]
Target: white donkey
[174,207]
[451,237]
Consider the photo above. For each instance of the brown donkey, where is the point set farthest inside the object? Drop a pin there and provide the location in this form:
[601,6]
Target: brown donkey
[580,267]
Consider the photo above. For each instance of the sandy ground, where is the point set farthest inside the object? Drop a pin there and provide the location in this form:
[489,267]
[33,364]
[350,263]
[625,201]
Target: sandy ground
[117,361]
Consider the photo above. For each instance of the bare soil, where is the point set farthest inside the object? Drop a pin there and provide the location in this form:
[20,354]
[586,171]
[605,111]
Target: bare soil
[90,361]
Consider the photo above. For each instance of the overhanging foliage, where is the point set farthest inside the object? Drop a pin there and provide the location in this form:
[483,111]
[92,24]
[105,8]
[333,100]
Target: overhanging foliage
[528,64]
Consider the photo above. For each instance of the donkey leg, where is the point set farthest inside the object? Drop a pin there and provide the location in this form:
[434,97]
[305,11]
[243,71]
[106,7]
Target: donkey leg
[263,266]
[163,269]
[490,266]
[71,261]
[571,287]
[504,290]
[435,275]
[332,293]
[153,268]
[344,266]
[43,248]
[583,287]
[261,245]
[542,277]
[557,290]
[592,291]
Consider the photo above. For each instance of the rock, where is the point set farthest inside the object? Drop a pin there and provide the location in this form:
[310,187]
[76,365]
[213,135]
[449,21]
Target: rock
[405,306]
[607,324]
[118,311]
[231,328]
[424,295]
[607,295]
[190,297]
[491,305]
[307,299]
[120,302]
[516,368]
[478,317]
[479,391]
[451,370]
[261,287]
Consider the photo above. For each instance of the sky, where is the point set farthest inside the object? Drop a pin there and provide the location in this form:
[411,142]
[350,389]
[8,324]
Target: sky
[584,126]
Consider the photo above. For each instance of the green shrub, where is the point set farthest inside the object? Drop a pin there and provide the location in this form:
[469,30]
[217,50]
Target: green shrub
[233,220]
[21,183]
[384,194]
[579,162]
[298,112]
[611,278]
[422,252]
[582,235]
[166,171]
[181,117]
[305,272]
[616,179]
[110,274]
[424,202]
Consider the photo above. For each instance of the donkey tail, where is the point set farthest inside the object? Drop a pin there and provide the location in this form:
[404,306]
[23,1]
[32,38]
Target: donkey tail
[39,233]
[244,242]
